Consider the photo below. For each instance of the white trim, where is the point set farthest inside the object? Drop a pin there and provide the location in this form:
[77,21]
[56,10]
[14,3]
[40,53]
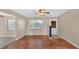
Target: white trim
[69,41]
[50,38]
[37,34]
[17,38]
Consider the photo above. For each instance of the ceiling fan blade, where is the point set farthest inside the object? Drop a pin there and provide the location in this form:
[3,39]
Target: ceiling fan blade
[46,12]
[1,16]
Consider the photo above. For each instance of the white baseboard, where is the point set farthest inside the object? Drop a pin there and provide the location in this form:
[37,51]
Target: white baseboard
[69,41]
[36,34]
[50,38]
[20,37]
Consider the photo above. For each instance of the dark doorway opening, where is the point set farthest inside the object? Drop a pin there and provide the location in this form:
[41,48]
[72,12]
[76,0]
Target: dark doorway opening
[53,24]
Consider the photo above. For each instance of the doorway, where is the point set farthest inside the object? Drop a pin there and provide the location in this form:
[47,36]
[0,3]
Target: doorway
[53,25]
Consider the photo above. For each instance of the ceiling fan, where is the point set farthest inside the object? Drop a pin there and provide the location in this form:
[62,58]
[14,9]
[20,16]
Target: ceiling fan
[1,16]
[41,12]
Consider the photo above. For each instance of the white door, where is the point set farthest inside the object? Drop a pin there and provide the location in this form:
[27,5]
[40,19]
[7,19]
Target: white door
[54,31]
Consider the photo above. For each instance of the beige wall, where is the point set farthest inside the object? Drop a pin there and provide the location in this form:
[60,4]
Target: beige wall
[17,17]
[6,37]
[20,28]
[3,27]
[43,31]
[68,26]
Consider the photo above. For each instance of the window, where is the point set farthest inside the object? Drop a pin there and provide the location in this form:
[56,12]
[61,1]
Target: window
[10,24]
[36,24]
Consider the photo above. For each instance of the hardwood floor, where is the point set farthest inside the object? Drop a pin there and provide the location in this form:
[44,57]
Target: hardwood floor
[40,42]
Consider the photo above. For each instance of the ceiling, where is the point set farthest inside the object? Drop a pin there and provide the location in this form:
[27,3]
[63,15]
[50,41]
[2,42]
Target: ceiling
[5,14]
[31,13]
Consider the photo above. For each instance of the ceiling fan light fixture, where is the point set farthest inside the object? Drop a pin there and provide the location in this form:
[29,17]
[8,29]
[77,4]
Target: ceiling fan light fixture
[42,12]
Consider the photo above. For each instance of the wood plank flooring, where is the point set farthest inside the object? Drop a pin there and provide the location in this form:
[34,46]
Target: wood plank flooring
[40,42]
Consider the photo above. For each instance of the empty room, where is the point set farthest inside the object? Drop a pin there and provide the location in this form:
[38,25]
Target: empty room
[39,28]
